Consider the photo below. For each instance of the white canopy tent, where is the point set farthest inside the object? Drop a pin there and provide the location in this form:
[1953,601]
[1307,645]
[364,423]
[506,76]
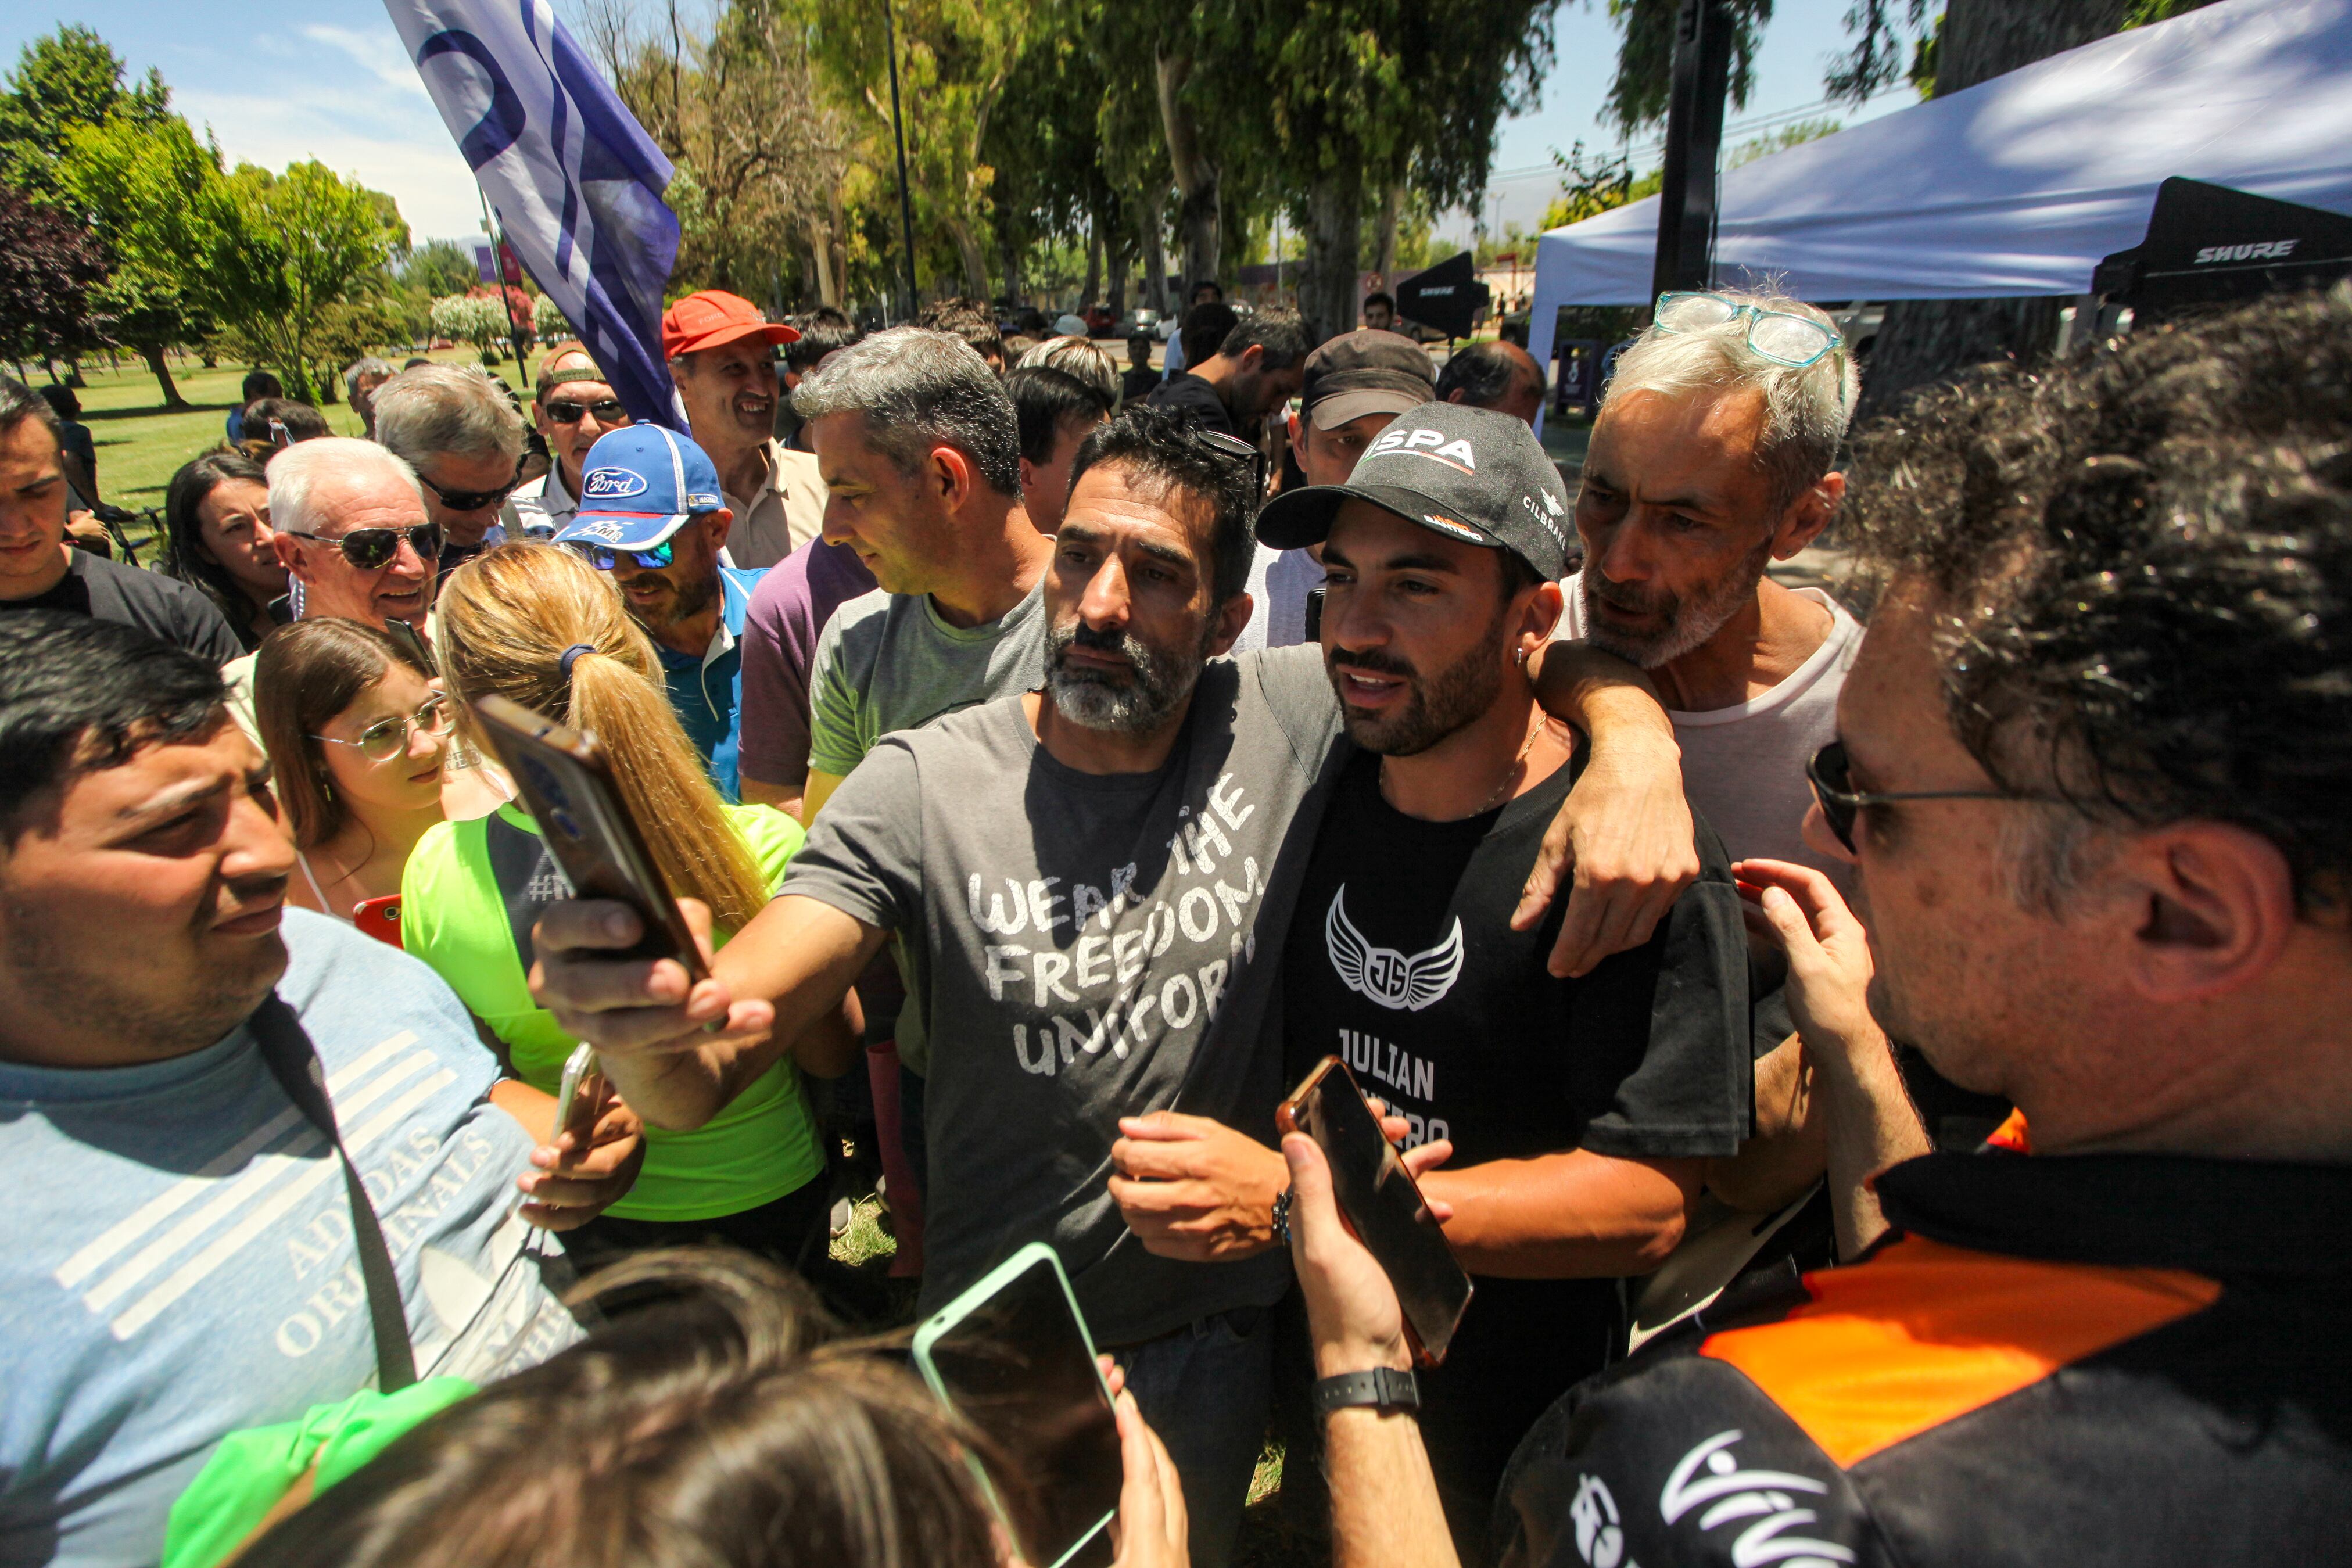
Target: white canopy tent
[2018,185]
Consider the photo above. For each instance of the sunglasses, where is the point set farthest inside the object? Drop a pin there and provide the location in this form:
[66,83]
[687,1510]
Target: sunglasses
[1833,780]
[604,558]
[608,411]
[388,737]
[473,500]
[1776,335]
[368,549]
[1234,446]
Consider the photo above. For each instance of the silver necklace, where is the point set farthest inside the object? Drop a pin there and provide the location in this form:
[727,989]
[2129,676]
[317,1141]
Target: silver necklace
[1502,788]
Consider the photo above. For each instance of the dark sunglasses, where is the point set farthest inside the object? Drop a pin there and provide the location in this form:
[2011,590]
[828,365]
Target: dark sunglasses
[608,411]
[368,549]
[473,500]
[604,558]
[1234,446]
[1833,780]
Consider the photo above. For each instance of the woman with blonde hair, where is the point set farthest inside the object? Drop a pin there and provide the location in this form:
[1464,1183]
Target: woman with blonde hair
[358,740]
[537,625]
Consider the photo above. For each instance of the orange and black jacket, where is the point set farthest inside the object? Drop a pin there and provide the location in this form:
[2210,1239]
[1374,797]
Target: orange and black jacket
[2078,1360]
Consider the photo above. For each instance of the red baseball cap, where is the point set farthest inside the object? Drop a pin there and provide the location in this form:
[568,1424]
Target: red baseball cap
[711,316]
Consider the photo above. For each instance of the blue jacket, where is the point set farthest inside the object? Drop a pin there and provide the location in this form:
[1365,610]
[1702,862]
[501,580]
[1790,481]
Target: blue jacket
[708,692]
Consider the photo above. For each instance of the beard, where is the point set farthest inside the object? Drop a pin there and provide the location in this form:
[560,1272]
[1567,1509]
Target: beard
[684,601]
[1159,681]
[1683,624]
[1433,709]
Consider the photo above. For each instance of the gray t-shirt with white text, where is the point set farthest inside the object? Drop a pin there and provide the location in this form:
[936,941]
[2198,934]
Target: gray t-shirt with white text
[1083,948]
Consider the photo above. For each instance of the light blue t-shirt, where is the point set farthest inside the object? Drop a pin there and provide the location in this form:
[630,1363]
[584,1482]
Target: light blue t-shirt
[177,1259]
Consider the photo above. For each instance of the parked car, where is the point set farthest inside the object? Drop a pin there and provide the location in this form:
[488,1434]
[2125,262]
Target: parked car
[1069,324]
[1100,322]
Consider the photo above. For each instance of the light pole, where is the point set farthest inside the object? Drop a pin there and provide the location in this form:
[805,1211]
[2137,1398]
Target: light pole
[905,194]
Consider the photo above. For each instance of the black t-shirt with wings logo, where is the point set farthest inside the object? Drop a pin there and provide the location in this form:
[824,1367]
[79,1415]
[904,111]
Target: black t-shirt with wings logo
[1401,962]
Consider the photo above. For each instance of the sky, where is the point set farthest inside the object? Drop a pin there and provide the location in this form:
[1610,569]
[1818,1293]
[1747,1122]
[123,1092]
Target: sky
[330,83]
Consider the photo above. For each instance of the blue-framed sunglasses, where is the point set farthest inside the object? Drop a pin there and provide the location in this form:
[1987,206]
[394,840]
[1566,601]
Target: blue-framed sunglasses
[1776,335]
[604,558]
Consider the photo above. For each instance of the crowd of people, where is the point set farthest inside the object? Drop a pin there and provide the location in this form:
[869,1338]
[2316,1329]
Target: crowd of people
[1875,1049]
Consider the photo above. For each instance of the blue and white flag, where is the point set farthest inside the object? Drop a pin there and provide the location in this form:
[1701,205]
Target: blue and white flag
[576,182]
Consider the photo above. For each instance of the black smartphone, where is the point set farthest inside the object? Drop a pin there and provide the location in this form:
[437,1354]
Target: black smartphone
[412,642]
[1382,1205]
[1012,1355]
[564,781]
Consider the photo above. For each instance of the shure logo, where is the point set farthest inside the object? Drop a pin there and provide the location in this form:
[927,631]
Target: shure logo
[2268,250]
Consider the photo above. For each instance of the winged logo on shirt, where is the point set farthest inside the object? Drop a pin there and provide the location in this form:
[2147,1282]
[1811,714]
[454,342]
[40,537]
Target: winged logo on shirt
[1383,974]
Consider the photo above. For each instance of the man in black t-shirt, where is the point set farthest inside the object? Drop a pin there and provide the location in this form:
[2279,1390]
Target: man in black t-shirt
[1560,1124]
[1258,367]
[39,571]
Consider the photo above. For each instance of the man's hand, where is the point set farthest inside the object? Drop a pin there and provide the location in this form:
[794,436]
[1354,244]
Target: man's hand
[633,1006]
[1829,968]
[572,1186]
[1194,1188]
[1351,1309]
[1626,835]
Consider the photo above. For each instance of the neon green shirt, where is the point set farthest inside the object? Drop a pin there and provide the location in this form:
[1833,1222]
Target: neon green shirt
[455,916]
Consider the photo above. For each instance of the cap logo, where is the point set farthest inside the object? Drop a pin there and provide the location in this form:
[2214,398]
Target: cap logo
[611,484]
[1552,504]
[1431,443]
[1448,526]
[606,530]
[702,501]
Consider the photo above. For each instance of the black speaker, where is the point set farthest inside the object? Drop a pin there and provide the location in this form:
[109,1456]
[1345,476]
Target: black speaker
[2209,245]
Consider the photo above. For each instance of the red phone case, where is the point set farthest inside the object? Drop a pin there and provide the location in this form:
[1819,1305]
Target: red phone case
[379,917]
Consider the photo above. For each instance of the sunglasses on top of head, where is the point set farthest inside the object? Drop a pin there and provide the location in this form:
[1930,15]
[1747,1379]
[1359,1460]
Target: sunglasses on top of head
[1234,446]
[370,548]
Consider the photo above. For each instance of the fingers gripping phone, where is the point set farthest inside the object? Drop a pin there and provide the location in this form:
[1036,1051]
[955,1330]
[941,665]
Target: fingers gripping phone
[1382,1205]
[566,783]
[1012,1355]
[577,1097]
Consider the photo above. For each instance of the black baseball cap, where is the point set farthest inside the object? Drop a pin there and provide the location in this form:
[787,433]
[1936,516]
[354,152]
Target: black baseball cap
[1364,372]
[1469,474]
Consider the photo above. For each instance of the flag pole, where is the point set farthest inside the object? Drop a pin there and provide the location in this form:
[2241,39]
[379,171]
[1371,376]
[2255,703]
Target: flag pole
[499,277]
[906,195]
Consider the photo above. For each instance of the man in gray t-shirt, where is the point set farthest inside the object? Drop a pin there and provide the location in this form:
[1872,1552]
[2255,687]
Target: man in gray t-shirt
[1091,883]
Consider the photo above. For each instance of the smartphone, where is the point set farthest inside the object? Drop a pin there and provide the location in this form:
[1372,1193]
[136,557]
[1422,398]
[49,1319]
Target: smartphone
[1012,1355]
[412,642]
[564,781]
[577,1095]
[379,917]
[1382,1205]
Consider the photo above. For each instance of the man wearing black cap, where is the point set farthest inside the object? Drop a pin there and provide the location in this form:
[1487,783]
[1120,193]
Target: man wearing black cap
[1560,1126]
[1354,385]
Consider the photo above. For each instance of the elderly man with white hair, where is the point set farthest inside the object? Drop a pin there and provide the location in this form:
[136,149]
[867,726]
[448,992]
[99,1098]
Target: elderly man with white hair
[463,436]
[362,380]
[1713,457]
[353,535]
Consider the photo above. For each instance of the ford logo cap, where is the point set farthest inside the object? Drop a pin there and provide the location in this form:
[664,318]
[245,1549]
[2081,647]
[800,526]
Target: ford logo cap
[1468,474]
[639,484]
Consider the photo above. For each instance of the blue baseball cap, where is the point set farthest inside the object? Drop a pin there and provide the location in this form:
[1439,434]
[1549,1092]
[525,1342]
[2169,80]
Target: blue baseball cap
[640,484]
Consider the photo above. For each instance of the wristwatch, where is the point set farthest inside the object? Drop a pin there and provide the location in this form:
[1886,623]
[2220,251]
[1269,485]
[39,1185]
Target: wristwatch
[1383,1388]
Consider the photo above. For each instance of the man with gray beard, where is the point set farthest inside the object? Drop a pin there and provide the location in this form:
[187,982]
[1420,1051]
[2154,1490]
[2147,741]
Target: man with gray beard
[1091,884]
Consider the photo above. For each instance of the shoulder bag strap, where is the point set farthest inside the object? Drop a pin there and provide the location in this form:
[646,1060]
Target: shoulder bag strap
[294,1062]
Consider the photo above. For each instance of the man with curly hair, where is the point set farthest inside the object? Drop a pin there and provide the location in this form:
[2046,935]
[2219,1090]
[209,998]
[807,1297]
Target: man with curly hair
[2094,778]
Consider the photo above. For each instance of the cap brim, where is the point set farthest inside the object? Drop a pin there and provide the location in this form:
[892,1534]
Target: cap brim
[1340,408]
[1297,519]
[621,530]
[734,332]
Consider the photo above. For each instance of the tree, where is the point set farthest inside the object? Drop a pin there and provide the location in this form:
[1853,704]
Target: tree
[547,320]
[474,317]
[156,199]
[65,81]
[48,271]
[316,240]
[438,267]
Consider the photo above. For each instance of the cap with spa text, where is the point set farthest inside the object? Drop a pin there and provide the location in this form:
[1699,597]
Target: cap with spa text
[639,484]
[1469,474]
[711,316]
[1364,372]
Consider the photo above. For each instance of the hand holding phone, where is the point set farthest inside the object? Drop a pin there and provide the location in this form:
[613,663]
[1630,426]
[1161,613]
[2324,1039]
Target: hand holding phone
[577,1097]
[1380,1203]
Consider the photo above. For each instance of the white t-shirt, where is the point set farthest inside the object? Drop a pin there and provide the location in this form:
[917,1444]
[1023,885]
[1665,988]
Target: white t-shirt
[1744,766]
[1279,583]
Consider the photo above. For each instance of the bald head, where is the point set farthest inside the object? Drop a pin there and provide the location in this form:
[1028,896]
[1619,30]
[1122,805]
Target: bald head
[1498,375]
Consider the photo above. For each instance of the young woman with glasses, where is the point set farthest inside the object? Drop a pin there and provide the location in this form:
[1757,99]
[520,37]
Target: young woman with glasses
[358,738]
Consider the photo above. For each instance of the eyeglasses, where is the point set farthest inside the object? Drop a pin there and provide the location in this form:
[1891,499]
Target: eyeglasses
[472,500]
[388,737]
[1833,780]
[1776,335]
[368,549]
[1234,446]
[608,411]
[604,558]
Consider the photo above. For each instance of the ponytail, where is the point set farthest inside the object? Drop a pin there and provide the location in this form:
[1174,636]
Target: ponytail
[512,621]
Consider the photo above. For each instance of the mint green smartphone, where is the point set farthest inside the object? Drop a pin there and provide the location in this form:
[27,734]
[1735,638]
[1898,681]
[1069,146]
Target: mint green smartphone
[1012,1355]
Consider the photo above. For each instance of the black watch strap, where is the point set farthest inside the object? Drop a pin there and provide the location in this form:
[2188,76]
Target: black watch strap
[1383,1388]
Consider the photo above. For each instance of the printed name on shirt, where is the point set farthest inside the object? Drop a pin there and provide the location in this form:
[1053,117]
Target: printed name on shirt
[1110,963]
[1390,1065]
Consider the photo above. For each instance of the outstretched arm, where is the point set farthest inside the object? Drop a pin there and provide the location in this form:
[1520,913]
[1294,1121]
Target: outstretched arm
[1624,835]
